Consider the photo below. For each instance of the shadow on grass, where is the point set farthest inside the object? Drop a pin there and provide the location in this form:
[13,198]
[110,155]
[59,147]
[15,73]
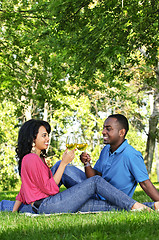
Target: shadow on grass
[141,196]
[120,226]
[98,226]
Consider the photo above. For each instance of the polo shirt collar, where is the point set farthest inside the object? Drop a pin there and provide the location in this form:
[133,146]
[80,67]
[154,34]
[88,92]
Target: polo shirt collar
[121,148]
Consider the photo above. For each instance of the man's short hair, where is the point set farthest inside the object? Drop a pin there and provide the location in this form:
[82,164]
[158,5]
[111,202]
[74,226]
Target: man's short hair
[122,121]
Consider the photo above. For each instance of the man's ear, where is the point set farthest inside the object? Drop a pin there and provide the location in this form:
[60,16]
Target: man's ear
[122,132]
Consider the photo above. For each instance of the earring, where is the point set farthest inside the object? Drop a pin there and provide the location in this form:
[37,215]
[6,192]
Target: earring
[33,150]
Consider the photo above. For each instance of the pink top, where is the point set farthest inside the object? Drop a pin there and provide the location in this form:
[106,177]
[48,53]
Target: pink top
[37,180]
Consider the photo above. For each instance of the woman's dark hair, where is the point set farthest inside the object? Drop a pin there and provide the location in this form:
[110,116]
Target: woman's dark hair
[27,134]
[122,121]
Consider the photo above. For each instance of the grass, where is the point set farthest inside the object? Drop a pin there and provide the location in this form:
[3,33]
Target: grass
[109,225]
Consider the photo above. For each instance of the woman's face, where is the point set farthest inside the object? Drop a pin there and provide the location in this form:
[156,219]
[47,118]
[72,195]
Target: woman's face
[42,140]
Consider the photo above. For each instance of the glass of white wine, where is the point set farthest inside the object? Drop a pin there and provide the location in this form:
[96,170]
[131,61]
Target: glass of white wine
[81,144]
[70,143]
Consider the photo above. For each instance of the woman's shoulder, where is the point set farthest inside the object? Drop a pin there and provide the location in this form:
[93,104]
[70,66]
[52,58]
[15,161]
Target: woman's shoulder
[31,157]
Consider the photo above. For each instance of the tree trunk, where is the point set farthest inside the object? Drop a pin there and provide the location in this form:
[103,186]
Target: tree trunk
[27,110]
[45,118]
[157,160]
[28,113]
[153,122]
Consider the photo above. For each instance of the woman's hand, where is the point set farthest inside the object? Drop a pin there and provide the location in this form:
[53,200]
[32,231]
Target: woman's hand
[17,204]
[68,156]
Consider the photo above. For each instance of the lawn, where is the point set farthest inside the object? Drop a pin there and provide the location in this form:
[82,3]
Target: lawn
[109,225]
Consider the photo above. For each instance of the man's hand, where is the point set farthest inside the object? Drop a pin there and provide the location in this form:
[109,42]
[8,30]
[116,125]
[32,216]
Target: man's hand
[85,158]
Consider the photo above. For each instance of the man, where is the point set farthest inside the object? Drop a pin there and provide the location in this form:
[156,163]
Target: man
[119,163]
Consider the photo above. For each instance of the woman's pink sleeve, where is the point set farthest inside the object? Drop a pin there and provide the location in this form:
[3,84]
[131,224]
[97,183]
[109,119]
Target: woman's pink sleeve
[42,176]
[20,196]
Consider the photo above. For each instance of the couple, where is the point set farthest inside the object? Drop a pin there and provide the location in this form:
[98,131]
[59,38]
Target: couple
[40,187]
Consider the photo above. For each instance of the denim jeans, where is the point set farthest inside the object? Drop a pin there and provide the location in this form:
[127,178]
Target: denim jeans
[7,205]
[73,175]
[78,198]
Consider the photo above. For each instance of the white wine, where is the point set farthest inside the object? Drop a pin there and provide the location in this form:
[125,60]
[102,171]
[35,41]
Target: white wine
[71,146]
[82,146]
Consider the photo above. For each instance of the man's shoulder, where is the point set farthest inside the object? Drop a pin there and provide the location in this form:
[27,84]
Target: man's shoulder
[130,149]
[129,153]
[131,157]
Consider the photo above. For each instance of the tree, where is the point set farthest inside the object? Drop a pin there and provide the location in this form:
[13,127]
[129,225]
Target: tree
[105,38]
[94,43]
[9,129]
[32,73]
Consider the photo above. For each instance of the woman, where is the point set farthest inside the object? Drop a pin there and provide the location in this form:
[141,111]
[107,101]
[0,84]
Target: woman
[40,188]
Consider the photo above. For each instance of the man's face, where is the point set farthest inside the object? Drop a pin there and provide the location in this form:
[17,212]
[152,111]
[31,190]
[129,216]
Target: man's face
[111,132]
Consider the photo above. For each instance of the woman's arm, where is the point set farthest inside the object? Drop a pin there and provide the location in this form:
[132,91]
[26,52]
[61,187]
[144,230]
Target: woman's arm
[17,204]
[66,159]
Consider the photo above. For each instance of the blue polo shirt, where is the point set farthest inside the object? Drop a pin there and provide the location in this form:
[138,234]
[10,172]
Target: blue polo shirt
[123,168]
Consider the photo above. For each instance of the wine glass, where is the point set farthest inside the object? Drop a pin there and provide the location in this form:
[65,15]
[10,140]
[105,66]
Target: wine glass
[81,144]
[70,143]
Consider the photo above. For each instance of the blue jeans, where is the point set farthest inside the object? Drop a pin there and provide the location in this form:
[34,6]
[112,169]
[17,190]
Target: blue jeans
[78,198]
[73,175]
[7,205]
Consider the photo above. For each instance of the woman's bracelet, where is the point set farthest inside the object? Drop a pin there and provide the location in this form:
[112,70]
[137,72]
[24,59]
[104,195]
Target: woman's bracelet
[87,164]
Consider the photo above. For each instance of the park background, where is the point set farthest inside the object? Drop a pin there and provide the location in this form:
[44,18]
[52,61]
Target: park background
[72,63]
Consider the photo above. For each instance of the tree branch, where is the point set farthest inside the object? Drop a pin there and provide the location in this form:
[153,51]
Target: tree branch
[143,52]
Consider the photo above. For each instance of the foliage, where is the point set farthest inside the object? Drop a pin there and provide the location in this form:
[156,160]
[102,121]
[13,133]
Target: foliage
[94,44]
[8,123]
[102,36]
[106,39]
[136,140]
[84,119]
[31,72]
[82,58]
[83,39]
[76,121]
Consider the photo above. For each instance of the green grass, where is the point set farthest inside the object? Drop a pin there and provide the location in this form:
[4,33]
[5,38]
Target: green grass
[108,225]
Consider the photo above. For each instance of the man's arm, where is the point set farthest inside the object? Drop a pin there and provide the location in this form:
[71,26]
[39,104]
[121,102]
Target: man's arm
[90,172]
[150,190]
